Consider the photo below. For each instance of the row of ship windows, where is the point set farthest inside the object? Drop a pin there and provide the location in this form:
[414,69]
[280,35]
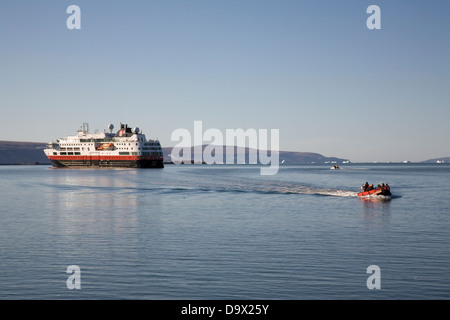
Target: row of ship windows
[106,140]
[67,153]
[88,149]
[122,153]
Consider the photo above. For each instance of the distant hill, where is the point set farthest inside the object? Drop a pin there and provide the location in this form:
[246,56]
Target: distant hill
[289,157]
[438,160]
[13,152]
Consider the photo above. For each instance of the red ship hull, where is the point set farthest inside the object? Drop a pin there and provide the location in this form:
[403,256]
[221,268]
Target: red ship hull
[107,161]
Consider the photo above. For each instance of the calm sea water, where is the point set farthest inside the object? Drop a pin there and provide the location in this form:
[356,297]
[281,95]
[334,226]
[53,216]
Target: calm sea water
[224,232]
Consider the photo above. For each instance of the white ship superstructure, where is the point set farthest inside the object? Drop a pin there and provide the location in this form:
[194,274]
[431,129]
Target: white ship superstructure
[128,147]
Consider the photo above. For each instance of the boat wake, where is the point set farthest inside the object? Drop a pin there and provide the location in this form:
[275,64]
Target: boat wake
[279,188]
[273,187]
[339,193]
[321,191]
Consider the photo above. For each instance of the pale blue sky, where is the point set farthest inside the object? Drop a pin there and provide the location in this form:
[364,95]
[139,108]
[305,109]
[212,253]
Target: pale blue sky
[311,69]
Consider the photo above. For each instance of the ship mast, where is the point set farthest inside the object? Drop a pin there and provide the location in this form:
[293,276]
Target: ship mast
[84,128]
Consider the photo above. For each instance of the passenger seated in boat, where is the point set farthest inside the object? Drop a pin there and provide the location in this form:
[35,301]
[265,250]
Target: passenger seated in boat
[365,186]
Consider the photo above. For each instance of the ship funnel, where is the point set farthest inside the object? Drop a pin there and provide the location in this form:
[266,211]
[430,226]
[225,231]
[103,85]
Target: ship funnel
[111,127]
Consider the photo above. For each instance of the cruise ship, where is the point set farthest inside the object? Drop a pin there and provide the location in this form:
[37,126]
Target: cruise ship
[126,148]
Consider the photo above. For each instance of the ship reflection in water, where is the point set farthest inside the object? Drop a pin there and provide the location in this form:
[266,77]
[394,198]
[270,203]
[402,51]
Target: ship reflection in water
[97,202]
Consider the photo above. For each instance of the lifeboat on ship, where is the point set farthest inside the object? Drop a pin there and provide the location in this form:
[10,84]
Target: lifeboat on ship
[382,191]
[106,146]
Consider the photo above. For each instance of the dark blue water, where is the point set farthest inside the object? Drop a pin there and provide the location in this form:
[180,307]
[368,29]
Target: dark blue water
[224,232]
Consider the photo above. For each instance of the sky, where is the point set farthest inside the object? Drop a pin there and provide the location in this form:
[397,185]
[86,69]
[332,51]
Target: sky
[312,69]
